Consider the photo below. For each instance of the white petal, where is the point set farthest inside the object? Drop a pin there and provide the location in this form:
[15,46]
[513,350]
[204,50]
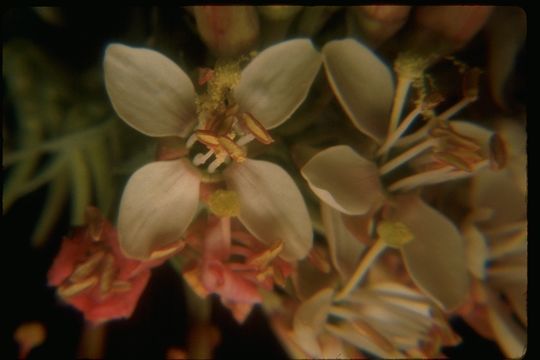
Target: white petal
[277,81]
[309,320]
[271,206]
[435,258]
[345,249]
[158,203]
[344,180]
[476,251]
[480,134]
[149,91]
[362,83]
[498,191]
[510,336]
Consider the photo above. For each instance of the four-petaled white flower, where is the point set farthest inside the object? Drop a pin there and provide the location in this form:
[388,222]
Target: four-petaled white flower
[154,96]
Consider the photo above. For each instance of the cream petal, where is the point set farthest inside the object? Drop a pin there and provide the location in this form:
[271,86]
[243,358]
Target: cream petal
[510,336]
[158,203]
[309,321]
[435,258]
[498,191]
[271,206]
[476,251]
[362,83]
[345,249]
[149,91]
[344,180]
[277,81]
[480,134]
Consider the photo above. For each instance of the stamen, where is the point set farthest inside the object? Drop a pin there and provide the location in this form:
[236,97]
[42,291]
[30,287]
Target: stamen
[208,138]
[406,156]
[394,136]
[107,274]
[246,139]
[460,105]
[66,291]
[423,178]
[191,140]
[417,135]
[215,164]
[373,253]
[200,159]
[254,127]
[402,88]
[87,267]
[237,153]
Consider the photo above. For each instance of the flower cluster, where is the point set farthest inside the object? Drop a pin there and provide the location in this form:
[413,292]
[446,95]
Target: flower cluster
[391,262]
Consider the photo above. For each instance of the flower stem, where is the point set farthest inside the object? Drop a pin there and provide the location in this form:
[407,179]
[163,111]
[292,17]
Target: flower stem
[460,105]
[394,136]
[402,88]
[406,156]
[373,253]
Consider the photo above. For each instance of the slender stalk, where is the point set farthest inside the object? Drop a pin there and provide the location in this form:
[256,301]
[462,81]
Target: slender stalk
[460,105]
[402,88]
[406,156]
[372,254]
[394,136]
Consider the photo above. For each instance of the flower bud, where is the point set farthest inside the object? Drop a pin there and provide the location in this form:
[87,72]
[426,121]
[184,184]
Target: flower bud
[227,30]
[378,23]
[278,12]
[457,24]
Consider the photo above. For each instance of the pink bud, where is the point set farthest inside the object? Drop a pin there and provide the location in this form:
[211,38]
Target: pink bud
[457,24]
[227,30]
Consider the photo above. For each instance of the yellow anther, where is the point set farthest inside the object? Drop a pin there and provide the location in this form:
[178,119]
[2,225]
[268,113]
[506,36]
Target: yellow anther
[236,152]
[78,287]
[256,129]
[86,268]
[107,274]
[262,260]
[394,233]
[411,65]
[207,138]
[224,203]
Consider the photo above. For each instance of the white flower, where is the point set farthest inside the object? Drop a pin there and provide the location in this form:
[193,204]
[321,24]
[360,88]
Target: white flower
[386,319]
[153,95]
[351,183]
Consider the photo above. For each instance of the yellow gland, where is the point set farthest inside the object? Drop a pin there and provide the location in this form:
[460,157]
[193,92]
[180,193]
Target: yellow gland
[394,233]
[224,203]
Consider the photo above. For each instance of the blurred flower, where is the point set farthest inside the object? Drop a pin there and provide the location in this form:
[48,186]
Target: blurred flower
[386,319]
[28,336]
[153,95]
[496,235]
[227,30]
[234,270]
[93,275]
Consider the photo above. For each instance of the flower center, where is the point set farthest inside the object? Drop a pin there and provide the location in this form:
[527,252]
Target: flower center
[223,128]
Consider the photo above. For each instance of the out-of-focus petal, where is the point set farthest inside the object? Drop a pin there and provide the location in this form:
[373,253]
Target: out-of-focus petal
[511,337]
[477,251]
[362,83]
[435,258]
[271,206]
[310,319]
[344,180]
[149,91]
[497,190]
[345,249]
[159,202]
[506,32]
[277,81]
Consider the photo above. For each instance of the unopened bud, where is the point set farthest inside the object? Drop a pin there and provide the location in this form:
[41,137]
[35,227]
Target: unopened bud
[457,24]
[279,12]
[227,30]
[378,23]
